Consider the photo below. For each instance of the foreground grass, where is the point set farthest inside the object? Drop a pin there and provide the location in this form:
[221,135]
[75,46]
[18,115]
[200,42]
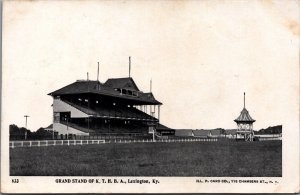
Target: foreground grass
[206,159]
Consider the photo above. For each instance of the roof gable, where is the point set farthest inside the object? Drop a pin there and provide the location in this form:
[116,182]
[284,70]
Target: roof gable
[122,83]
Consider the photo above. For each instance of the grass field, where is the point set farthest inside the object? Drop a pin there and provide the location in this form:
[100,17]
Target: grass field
[207,159]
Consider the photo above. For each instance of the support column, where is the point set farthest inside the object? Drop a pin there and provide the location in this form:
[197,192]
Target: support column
[158,113]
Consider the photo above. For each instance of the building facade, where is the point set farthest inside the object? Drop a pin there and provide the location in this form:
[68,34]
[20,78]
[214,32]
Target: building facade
[114,108]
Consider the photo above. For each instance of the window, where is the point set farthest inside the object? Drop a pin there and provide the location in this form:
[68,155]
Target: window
[56,117]
[79,99]
[97,101]
[86,100]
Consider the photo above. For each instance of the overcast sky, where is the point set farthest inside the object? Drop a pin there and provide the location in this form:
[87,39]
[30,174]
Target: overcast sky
[201,56]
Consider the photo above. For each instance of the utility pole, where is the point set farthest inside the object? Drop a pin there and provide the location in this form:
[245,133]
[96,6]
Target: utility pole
[244,100]
[98,72]
[26,116]
[129,65]
[67,128]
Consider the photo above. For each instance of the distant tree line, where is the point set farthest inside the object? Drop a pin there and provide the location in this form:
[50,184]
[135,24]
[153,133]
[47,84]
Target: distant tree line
[18,133]
[270,130]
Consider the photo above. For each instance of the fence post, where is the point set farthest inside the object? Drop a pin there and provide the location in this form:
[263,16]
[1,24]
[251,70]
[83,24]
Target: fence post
[29,143]
[12,144]
[39,143]
[54,142]
[46,142]
[68,142]
[22,143]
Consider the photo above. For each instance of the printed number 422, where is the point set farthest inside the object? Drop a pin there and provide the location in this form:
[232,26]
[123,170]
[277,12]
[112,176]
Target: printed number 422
[15,180]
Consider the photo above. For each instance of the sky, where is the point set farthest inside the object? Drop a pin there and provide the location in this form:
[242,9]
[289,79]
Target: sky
[200,55]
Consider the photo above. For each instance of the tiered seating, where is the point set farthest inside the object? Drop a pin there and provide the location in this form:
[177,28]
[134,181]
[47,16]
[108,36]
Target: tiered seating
[112,120]
[114,112]
[75,126]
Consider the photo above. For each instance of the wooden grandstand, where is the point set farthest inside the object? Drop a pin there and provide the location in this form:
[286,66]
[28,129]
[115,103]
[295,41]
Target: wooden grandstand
[114,108]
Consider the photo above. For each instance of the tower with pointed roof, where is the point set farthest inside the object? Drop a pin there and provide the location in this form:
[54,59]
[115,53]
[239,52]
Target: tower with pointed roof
[245,125]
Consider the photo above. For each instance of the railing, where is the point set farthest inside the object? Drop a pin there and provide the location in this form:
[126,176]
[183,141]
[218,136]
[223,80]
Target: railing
[39,143]
[165,140]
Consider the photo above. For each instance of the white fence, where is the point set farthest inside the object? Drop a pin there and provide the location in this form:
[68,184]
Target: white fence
[39,143]
[165,140]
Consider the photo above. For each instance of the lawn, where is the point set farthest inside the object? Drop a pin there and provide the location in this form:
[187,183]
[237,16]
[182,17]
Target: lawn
[204,159]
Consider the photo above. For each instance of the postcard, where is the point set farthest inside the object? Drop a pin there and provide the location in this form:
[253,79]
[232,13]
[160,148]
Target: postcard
[150,96]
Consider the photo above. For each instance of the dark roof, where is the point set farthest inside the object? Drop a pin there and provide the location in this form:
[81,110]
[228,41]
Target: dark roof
[244,117]
[216,132]
[230,131]
[162,127]
[95,87]
[183,132]
[201,132]
[122,83]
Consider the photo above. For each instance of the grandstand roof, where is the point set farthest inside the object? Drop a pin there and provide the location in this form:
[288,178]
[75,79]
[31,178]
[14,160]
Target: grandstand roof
[108,89]
[118,112]
[244,117]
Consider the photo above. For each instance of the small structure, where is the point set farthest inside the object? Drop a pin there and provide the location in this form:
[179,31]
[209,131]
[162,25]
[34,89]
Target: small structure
[184,133]
[215,133]
[245,125]
[230,133]
[201,133]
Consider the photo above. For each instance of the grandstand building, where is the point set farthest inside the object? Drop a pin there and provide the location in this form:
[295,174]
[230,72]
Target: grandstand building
[116,108]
